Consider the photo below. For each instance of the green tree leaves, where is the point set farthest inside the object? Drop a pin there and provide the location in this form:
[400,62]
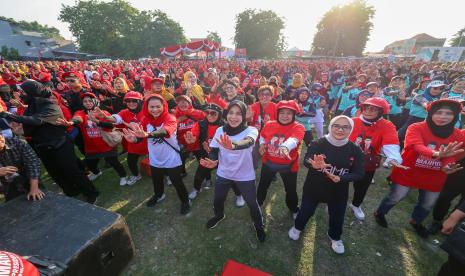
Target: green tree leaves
[260,32]
[118,29]
[458,40]
[344,30]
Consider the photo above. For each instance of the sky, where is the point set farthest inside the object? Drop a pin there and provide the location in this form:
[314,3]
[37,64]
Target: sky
[393,20]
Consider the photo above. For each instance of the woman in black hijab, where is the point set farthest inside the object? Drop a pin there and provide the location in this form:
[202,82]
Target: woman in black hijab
[51,141]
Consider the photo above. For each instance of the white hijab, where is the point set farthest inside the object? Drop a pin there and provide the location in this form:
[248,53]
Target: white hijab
[333,141]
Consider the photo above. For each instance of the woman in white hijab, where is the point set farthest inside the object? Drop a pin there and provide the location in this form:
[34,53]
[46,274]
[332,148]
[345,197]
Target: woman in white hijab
[332,161]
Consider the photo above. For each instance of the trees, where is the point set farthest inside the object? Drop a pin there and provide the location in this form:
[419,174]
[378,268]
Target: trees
[9,54]
[260,32]
[458,40]
[34,26]
[118,29]
[214,36]
[344,30]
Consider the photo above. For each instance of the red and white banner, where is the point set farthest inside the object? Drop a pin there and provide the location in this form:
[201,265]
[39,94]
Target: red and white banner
[188,48]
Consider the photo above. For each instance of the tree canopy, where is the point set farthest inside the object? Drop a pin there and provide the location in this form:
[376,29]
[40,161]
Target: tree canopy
[214,36]
[458,40]
[35,26]
[260,32]
[344,30]
[118,29]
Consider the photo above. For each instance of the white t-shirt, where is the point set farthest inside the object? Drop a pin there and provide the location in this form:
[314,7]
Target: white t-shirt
[235,165]
[162,155]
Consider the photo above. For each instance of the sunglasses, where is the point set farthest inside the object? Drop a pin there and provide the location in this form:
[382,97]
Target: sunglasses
[131,101]
[211,113]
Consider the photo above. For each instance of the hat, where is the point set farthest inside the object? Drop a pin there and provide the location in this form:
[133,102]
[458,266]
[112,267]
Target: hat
[72,74]
[453,103]
[378,102]
[213,107]
[88,94]
[316,86]
[435,83]
[292,105]
[183,97]
[372,83]
[134,96]
[159,80]
[396,77]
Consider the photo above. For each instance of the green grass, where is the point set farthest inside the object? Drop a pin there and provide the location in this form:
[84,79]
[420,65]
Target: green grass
[170,244]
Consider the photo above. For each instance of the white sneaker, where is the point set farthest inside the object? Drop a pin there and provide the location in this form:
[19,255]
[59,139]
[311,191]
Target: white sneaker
[161,198]
[193,194]
[357,212]
[123,181]
[168,181]
[373,181]
[337,246]
[133,179]
[207,184]
[92,176]
[293,233]
[240,201]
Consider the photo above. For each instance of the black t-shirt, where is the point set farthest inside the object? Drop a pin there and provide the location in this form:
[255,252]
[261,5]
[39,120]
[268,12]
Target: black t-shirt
[346,162]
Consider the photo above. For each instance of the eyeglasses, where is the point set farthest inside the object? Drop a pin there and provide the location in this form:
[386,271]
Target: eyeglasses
[211,113]
[266,94]
[131,101]
[343,128]
[370,108]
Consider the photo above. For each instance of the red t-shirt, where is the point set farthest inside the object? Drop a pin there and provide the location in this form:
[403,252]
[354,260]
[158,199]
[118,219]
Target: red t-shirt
[425,171]
[196,133]
[93,141]
[129,117]
[371,138]
[270,110]
[192,116]
[276,134]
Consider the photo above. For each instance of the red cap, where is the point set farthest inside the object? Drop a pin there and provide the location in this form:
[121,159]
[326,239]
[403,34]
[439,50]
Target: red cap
[133,95]
[443,101]
[15,265]
[72,74]
[88,94]
[378,102]
[292,105]
[159,80]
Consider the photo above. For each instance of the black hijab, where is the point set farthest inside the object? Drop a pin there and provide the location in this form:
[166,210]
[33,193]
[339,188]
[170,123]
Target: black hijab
[231,131]
[39,103]
[447,130]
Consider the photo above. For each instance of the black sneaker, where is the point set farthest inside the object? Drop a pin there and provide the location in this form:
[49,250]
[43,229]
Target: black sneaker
[434,227]
[91,199]
[381,220]
[154,200]
[260,233]
[185,208]
[213,222]
[420,229]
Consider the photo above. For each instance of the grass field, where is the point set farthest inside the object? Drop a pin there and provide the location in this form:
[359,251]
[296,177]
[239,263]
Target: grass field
[170,244]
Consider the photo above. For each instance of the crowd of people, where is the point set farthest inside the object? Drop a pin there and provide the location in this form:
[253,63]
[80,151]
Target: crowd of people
[232,116]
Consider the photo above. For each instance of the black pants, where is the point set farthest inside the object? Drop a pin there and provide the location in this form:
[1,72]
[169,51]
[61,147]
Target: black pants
[158,175]
[184,155]
[308,137]
[361,188]
[453,187]
[19,186]
[336,212]
[133,163]
[452,267]
[113,161]
[290,186]
[396,119]
[62,166]
[249,193]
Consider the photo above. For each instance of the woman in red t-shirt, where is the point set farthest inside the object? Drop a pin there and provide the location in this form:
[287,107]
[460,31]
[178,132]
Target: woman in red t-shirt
[131,115]
[280,144]
[430,153]
[94,145]
[374,135]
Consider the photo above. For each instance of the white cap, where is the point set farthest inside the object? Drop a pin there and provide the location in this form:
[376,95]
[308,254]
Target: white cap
[436,83]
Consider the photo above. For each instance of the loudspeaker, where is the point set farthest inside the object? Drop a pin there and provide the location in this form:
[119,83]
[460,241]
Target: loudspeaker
[88,239]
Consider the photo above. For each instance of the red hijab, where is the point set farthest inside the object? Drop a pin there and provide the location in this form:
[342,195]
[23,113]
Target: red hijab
[165,118]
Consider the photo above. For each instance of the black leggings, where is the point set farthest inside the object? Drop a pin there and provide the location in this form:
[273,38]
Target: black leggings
[452,188]
[113,161]
[158,175]
[133,163]
[361,188]
[290,183]
[308,137]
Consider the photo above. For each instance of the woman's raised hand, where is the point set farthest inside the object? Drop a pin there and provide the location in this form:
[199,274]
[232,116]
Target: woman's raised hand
[225,142]
[318,162]
[208,163]
[189,137]
[129,135]
[63,122]
[138,131]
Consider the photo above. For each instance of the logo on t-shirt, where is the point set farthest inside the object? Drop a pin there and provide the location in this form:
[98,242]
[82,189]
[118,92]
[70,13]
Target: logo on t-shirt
[273,146]
[428,162]
[93,131]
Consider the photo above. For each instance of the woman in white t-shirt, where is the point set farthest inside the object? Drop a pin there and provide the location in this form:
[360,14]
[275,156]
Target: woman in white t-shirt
[159,127]
[231,151]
